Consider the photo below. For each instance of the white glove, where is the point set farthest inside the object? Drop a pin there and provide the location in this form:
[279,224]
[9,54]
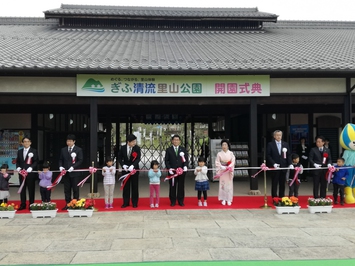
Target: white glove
[18,169]
[131,168]
[276,165]
[70,169]
[329,165]
[29,170]
[185,168]
[171,171]
[223,167]
[317,165]
[291,166]
[61,168]
[125,167]
[304,157]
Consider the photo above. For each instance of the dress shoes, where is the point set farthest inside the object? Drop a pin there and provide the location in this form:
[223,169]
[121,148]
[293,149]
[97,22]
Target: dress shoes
[124,206]
[135,206]
[172,204]
[181,204]
[22,208]
[64,208]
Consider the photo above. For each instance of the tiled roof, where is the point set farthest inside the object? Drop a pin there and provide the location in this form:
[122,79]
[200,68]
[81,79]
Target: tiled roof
[289,46]
[176,12]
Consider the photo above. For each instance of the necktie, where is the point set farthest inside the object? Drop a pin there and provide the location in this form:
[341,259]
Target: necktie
[129,152]
[69,150]
[176,151]
[321,149]
[279,147]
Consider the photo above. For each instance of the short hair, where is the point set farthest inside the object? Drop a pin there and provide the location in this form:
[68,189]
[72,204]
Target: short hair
[321,137]
[201,159]
[45,165]
[25,137]
[302,138]
[277,131]
[71,137]
[175,136]
[108,159]
[342,159]
[4,166]
[131,137]
[294,156]
[154,162]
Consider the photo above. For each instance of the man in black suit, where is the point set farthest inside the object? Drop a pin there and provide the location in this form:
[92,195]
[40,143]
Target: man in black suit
[129,157]
[319,156]
[71,158]
[278,154]
[27,159]
[173,160]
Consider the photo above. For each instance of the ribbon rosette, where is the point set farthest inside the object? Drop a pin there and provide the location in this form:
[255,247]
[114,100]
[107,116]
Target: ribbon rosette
[295,177]
[92,170]
[29,159]
[125,178]
[284,150]
[182,155]
[178,172]
[263,168]
[134,154]
[24,174]
[230,169]
[57,179]
[73,156]
[328,175]
[325,156]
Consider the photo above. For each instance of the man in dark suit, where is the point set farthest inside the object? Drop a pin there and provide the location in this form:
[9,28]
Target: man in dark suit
[278,154]
[71,158]
[129,157]
[173,161]
[27,159]
[319,156]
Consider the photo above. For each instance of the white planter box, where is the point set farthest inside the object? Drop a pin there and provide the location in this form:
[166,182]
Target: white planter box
[7,214]
[288,210]
[44,213]
[320,209]
[80,213]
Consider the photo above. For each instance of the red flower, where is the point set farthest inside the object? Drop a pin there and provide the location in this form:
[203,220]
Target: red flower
[276,200]
[134,154]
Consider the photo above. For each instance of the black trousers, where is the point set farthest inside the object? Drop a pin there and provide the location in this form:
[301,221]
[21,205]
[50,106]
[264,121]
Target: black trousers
[30,184]
[131,189]
[45,194]
[278,180]
[178,190]
[338,189]
[293,190]
[319,181]
[71,184]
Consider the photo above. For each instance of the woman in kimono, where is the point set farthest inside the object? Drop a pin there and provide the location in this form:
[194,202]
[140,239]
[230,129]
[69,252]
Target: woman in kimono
[225,162]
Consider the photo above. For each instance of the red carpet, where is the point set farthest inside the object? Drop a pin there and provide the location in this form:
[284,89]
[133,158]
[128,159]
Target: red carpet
[240,202]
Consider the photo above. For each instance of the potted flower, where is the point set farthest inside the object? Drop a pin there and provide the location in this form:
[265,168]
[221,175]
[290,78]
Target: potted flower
[43,210]
[321,205]
[8,210]
[81,208]
[286,205]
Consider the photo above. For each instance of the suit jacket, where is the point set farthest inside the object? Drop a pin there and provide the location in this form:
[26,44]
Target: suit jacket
[132,160]
[315,156]
[66,161]
[174,161]
[273,156]
[22,162]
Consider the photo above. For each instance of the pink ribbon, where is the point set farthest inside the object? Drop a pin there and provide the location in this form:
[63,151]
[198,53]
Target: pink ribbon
[295,177]
[263,168]
[29,160]
[57,180]
[228,169]
[92,170]
[24,175]
[328,175]
[178,171]
[125,178]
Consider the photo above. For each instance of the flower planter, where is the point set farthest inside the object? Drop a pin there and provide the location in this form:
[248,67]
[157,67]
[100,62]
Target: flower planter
[7,214]
[80,213]
[44,213]
[320,209]
[288,210]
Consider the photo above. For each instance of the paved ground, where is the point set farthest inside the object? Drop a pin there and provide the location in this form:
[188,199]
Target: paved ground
[178,235]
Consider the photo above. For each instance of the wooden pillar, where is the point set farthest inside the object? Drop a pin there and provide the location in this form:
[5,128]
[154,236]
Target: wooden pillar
[93,138]
[253,145]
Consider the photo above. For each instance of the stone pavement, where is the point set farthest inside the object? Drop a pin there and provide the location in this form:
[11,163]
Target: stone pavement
[177,235]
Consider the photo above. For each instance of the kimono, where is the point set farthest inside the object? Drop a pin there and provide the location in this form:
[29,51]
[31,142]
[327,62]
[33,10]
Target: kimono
[226,180]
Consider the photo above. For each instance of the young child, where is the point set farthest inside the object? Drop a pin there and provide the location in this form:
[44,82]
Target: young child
[4,183]
[202,184]
[293,190]
[154,183]
[45,178]
[339,178]
[109,172]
